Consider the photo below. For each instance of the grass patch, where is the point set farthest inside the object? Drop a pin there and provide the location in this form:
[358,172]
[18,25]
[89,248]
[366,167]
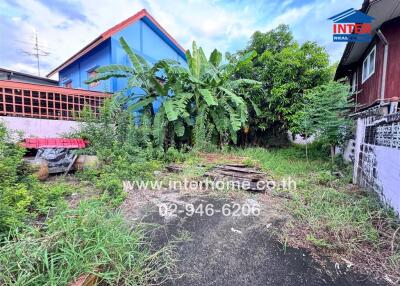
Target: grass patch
[89,239]
[331,214]
[22,197]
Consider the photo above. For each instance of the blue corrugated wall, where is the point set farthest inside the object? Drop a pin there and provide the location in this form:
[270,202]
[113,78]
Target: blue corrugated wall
[143,37]
[77,72]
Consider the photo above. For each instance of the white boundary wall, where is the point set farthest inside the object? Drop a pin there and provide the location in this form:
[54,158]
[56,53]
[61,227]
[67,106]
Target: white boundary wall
[377,157]
[43,128]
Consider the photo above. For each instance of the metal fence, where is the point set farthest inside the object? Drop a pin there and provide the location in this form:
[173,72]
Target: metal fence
[47,102]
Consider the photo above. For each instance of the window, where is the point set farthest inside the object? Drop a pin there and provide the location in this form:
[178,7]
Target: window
[91,74]
[68,84]
[354,82]
[368,67]
[393,107]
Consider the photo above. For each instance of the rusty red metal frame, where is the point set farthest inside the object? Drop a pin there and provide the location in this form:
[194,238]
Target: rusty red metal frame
[46,101]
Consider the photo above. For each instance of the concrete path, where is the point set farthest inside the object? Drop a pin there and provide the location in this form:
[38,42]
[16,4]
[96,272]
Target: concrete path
[230,250]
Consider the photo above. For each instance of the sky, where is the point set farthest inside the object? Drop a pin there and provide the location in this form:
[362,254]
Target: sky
[65,26]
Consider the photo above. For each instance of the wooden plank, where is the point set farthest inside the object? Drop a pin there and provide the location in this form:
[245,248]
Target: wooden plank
[236,165]
[252,185]
[174,168]
[71,164]
[239,176]
[238,169]
[250,176]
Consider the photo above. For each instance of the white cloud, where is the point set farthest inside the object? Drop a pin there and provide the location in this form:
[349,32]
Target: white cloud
[290,17]
[310,23]
[224,25]
[210,25]
[24,68]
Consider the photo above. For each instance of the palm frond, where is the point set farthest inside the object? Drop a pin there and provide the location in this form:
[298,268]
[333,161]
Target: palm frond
[208,97]
[179,128]
[232,96]
[137,65]
[106,76]
[215,58]
[170,111]
[255,108]
[115,68]
[143,101]
[246,58]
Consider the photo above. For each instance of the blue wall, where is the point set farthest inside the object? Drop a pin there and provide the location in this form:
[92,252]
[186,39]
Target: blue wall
[142,36]
[77,72]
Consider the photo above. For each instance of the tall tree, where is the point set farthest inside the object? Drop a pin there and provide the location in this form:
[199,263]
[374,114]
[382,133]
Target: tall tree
[286,70]
[324,113]
[215,96]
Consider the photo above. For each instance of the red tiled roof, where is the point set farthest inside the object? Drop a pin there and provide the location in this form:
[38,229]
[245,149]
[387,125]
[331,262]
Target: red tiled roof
[69,143]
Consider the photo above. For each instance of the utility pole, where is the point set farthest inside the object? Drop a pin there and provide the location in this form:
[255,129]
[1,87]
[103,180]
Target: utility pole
[37,52]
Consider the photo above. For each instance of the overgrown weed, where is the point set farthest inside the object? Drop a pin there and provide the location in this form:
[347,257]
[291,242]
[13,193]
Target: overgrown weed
[332,215]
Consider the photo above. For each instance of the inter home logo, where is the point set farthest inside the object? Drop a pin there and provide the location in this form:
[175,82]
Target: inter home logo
[351,26]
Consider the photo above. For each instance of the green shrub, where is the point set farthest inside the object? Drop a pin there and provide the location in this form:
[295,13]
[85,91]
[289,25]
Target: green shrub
[174,155]
[22,197]
[89,239]
[124,149]
[325,178]
[336,215]
[14,205]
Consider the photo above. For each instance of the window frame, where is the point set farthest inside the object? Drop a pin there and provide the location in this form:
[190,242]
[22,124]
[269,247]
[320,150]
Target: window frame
[67,82]
[365,72]
[354,82]
[88,72]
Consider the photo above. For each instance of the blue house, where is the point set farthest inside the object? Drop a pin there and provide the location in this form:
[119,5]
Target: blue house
[142,33]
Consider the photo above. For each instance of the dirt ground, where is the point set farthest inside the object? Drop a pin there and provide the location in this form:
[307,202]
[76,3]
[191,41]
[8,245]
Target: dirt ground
[222,249]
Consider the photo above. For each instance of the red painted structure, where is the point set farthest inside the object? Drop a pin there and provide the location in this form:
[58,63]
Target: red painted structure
[47,102]
[369,91]
[69,143]
[378,88]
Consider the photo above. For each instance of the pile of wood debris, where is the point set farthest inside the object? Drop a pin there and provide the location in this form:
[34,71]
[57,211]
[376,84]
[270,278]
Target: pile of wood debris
[247,178]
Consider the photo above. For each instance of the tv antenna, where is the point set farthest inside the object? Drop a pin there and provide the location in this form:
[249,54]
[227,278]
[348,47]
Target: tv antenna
[37,52]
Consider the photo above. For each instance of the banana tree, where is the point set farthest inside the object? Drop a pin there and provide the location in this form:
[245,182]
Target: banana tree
[144,87]
[203,97]
[208,92]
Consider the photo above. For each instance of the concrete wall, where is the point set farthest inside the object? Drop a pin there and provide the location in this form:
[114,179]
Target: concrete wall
[377,157]
[300,139]
[44,128]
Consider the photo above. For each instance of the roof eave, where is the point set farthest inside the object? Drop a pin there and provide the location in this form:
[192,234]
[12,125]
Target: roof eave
[112,31]
[28,75]
[339,71]
[81,52]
